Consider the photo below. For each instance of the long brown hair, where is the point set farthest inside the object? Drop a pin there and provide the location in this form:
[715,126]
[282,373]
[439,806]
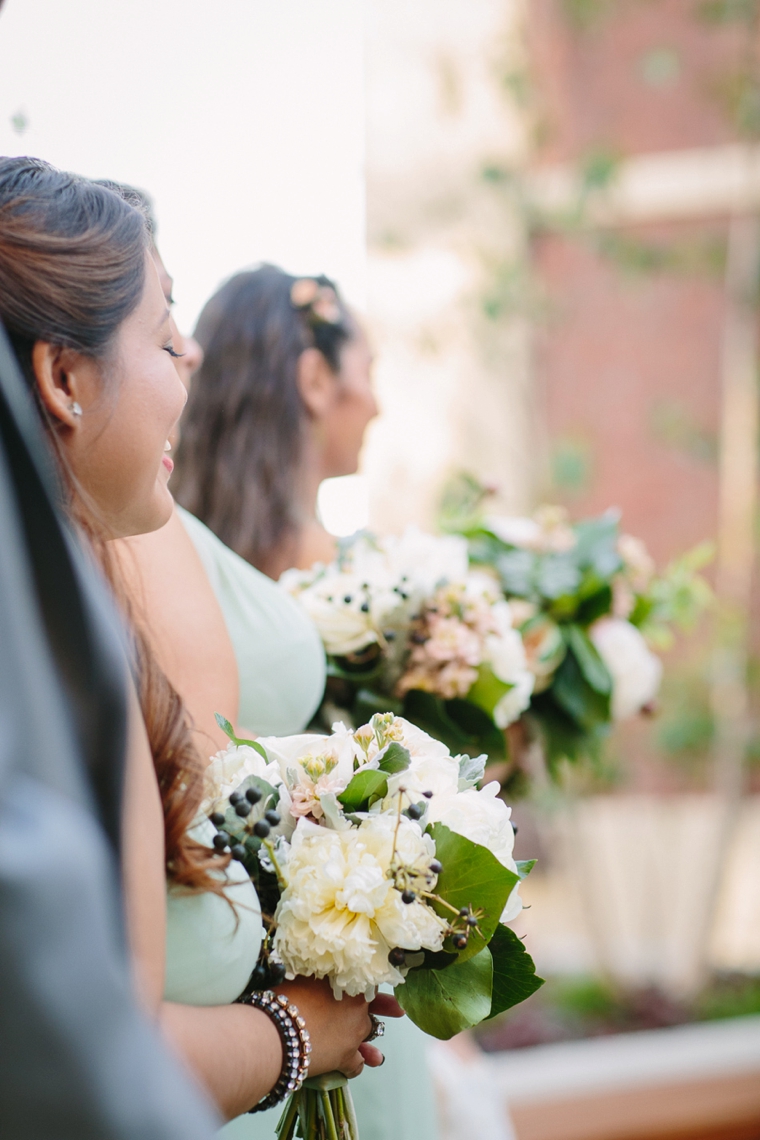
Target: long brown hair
[243,431]
[72,269]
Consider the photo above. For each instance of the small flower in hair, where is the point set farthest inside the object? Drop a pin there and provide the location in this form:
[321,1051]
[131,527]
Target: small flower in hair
[303,292]
[319,303]
[326,307]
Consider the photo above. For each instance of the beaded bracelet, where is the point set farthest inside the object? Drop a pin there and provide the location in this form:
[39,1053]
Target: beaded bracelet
[296,1044]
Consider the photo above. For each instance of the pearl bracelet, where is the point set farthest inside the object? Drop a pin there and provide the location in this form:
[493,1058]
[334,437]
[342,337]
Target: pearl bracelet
[296,1044]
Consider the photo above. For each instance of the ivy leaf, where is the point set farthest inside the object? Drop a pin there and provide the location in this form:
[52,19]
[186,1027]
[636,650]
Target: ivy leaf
[471,876]
[365,785]
[227,728]
[396,758]
[514,971]
[444,1002]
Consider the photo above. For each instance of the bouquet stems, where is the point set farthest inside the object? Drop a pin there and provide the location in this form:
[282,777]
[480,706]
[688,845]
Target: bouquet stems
[321,1110]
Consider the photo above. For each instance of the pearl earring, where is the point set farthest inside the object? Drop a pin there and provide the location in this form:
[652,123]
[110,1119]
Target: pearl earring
[74,408]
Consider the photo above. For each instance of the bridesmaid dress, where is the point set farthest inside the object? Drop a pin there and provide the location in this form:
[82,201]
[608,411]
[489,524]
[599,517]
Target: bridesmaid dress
[281,667]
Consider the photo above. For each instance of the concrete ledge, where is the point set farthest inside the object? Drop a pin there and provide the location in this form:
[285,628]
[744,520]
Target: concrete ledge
[691,1081]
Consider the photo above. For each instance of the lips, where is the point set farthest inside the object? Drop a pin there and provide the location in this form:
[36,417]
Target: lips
[168,464]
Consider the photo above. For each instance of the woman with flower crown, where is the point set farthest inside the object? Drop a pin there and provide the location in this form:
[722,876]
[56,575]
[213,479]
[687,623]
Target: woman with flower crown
[281,402]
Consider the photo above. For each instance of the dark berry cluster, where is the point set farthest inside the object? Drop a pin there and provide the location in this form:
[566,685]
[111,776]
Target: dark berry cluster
[244,805]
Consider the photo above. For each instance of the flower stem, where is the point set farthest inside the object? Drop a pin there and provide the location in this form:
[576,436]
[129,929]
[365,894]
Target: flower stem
[327,1112]
[281,883]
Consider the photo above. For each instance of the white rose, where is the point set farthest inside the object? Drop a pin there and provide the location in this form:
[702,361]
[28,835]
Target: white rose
[483,818]
[432,768]
[340,914]
[636,672]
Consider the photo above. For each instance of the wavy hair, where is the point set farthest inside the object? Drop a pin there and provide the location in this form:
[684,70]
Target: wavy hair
[72,269]
[244,428]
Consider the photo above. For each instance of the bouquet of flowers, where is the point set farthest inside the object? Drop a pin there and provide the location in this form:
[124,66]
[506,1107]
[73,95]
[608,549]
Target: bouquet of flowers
[377,861]
[591,610]
[407,625]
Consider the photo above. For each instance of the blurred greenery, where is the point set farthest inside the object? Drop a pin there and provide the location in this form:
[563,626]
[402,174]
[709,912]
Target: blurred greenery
[672,424]
[727,11]
[573,1007]
[571,465]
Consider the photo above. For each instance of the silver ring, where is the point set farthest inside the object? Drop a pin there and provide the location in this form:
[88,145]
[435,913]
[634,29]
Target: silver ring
[377,1030]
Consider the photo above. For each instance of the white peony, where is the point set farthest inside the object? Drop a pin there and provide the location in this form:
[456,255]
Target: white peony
[340,914]
[636,672]
[483,818]
[426,560]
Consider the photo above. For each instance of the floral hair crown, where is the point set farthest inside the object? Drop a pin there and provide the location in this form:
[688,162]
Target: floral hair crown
[318,302]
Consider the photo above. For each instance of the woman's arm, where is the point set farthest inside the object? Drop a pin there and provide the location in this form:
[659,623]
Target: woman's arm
[235,1050]
[173,599]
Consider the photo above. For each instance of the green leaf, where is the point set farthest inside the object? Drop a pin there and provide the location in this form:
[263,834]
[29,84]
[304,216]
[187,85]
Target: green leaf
[587,655]
[516,570]
[367,703]
[524,867]
[227,728]
[366,784]
[514,972]
[444,1002]
[471,769]
[596,604]
[596,547]
[471,876]
[558,576]
[396,758]
[487,690]
[575,696]
[481,732]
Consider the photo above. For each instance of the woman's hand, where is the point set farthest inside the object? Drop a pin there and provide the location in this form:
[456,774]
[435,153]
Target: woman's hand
[338,1029]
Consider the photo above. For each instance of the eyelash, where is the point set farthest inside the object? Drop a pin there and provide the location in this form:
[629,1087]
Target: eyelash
[170,349]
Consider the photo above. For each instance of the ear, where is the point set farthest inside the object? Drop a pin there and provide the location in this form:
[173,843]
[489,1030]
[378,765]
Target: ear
[55,372]
[316,382]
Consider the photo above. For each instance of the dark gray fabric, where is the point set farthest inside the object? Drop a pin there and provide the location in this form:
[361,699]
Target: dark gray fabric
[78,1061]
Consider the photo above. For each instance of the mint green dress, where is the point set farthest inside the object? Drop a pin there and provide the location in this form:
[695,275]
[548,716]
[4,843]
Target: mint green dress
[209,957]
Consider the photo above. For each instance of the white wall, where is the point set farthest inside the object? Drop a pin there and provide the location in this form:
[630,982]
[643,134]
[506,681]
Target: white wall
[243,118]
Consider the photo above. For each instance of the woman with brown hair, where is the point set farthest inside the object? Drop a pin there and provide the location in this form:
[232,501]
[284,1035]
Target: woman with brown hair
[282,401]
[82,302]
